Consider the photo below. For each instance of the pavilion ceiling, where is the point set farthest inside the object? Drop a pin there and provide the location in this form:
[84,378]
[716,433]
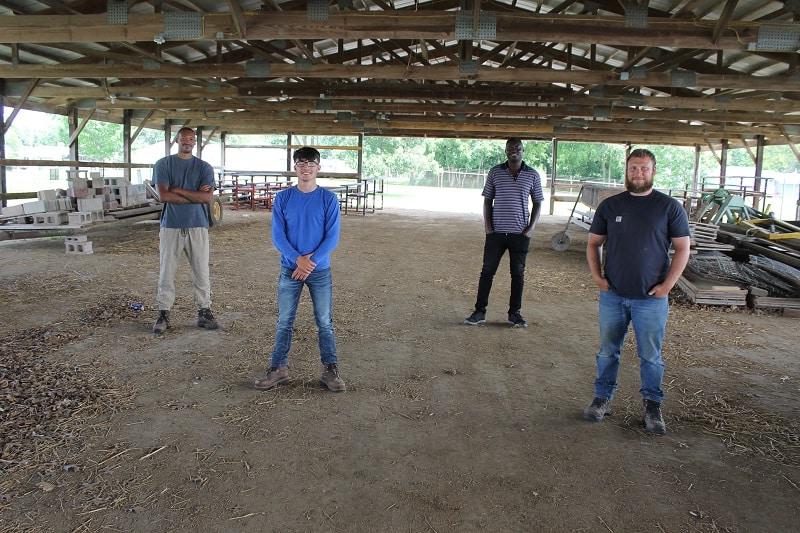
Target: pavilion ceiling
[672,71]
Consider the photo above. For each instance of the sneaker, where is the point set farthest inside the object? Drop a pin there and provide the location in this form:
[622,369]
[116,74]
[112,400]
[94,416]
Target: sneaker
[653,421]
[206,320]
[476,318]
[599,408]
[516,320]
[162,324]
[274,376]
[331,379]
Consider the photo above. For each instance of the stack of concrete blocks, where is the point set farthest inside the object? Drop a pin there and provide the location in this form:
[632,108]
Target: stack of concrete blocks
[92,207]
[125,194]
[78,245]
[49,209]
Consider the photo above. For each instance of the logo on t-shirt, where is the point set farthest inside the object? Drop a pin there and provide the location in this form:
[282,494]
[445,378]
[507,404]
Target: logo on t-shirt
[618,219]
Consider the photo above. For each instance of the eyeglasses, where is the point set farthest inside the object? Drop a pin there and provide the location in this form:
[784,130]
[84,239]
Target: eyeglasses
[305,163]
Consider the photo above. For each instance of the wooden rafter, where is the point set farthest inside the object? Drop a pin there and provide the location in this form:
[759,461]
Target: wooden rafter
[20,103]
[141,126]
[79,129]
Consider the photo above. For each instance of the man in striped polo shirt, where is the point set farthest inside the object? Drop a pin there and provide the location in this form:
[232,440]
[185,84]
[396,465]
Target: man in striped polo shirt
[508,227]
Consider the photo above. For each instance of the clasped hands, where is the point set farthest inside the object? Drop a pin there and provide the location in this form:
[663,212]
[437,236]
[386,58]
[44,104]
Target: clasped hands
[304,267]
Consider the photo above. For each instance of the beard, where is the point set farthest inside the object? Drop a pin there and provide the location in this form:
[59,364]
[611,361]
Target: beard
[641,186]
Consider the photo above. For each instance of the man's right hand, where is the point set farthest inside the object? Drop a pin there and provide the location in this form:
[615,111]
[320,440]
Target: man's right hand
[601,282]
[304,267]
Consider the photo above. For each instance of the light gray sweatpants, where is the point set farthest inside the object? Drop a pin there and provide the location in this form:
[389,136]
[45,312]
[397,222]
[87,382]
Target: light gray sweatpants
[194,243]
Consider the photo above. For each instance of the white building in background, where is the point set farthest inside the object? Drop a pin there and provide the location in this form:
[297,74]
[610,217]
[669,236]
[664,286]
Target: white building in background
[783,189]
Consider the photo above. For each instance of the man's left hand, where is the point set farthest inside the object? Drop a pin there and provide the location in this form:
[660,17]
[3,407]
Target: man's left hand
[205,188]
[660,291]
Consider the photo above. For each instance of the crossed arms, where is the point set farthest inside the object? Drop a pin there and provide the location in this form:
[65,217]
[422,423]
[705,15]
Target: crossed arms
[176,195]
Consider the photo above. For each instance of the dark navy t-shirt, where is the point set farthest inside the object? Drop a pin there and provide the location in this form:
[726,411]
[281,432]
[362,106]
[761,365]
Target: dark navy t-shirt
[638,232]
[190,174]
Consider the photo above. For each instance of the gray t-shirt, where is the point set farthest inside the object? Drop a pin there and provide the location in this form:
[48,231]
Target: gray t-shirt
[189,174]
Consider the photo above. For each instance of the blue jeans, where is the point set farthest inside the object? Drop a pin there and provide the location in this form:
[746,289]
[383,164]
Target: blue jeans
[649,318]
[320,285]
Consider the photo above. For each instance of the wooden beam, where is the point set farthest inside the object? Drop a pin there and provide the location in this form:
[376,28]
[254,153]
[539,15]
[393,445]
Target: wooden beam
[312,90]
[74,136]
[141,126]
[724,19]
[20,103]
[791,143]
[60,163]
[210,136]
[747,147]
[713,152]
[238,18]
[428,24]
[401,72]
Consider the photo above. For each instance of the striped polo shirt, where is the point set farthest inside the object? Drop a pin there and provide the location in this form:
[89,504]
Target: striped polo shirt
[510,213]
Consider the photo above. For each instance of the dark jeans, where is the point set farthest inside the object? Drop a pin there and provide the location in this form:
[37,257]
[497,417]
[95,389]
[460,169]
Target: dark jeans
[496,245]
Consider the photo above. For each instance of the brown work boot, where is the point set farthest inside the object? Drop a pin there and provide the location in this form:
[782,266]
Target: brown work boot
[331,379]
[274,376]
[162,324]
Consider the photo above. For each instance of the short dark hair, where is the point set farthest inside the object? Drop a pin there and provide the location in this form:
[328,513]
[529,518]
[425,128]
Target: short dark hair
[187,128]
[642,152]
[514,140]
[307,153]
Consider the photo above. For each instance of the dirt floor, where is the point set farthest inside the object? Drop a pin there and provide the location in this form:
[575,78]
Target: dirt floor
[444,427]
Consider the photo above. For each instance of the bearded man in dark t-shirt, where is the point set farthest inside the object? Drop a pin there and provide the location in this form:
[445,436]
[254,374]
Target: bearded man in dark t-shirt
[637,228]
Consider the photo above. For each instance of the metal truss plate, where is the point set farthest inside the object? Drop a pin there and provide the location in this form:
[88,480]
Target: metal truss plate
[638,73]
[460,117]
[777,38]
[358,124]
[344,116]
[183,26]
[303,64]
[683,78]
[317,10]
[214,86]
[468,66]
[150,64]
[323,105]
[601,111]
[256,68]
[487,26]
[117,11]
[635,15]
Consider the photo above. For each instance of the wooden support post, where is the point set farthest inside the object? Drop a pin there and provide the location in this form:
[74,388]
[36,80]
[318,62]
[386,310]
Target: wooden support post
[167,137]
[3,187]
[723,162]
[696,173]
[199,146]
[223,138]
[289,151]
[759,168]
[360,154]
[554,174]
[126,141]
[72,120]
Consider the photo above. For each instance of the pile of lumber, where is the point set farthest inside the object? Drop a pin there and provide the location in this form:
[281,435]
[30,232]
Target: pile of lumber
[711,292]
[704,237]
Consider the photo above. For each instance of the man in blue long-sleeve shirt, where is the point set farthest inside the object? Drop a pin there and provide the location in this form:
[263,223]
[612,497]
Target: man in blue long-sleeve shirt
[305,230]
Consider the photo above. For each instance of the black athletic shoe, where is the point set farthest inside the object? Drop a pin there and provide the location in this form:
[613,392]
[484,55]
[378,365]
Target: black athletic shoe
[476,318]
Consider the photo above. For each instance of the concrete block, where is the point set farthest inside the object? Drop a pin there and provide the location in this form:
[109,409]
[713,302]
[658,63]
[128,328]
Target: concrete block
[95,176]
[51,205]
[76,238]
[48,194]
[90,204]
[78,247]
[77,187]
[65,204]
[116,182]
[31,208]
[110,205]
[80,218]
[12,211]
[55,217]
[98,216]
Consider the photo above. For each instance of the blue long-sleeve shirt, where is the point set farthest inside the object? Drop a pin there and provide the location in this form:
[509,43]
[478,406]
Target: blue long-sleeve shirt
[303,223]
